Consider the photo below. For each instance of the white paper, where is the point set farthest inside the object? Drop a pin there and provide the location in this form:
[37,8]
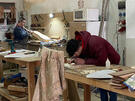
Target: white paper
[4,52]
[19,55]
[17,51]
[100,74]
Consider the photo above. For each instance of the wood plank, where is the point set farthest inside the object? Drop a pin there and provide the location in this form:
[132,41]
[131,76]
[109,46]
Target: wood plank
[4,92]
[13,60]
[1,69]
[120,73]
[17,94]
[31,80]
[72,91]
[87,92]
[65,93]
[29,59]
[17,88]
[23,99]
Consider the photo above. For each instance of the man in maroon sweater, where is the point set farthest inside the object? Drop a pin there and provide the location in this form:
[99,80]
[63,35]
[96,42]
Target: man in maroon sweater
[93,50]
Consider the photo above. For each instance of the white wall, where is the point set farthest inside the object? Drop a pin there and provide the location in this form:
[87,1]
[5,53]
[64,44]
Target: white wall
[130,33]
[59,5]
[130,18]
[115,38]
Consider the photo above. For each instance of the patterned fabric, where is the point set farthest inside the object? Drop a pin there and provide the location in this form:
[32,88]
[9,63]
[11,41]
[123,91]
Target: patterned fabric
[51,81]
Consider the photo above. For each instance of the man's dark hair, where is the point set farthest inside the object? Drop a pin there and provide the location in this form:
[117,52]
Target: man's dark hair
[21,19]
[72,46]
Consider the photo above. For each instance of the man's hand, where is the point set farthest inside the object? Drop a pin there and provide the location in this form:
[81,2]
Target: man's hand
[29,31]
[79,61]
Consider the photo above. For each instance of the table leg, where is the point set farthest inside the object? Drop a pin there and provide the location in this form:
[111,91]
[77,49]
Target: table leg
[72,91]
[1,69]
[31,80]
[87,93]
[65,93]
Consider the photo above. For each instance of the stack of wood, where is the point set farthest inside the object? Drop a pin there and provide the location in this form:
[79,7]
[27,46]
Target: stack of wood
[16,85]
[120,77]
[18,91]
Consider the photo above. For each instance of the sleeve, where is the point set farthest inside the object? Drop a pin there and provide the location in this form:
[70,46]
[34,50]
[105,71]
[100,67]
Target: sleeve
[101,56]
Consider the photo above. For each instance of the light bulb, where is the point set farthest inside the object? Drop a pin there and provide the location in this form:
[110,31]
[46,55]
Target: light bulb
[51,15]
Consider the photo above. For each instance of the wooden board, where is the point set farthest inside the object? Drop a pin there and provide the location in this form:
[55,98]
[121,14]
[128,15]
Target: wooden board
[18,88]
[129,71]
[17,94]
[1,69]
[4,92]
[41,36]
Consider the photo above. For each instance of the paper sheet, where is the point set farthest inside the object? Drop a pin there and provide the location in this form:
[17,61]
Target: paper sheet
[17,51]
[19,54]
[103,74]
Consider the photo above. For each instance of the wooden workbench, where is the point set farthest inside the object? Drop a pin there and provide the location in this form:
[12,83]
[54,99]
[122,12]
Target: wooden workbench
[75,75]
[71,74]
[30,63]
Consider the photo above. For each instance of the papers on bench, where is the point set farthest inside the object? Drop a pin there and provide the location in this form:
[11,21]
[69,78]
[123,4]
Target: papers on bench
[20,54]
[103,74]
[17,51]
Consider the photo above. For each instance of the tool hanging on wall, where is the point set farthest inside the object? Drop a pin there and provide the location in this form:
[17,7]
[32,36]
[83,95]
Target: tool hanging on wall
[122,26]
[39,16]
[105,4]
[36,18]
[13,12]
[1,12]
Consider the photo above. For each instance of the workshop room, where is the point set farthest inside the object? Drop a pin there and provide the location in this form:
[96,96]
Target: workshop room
[67,50]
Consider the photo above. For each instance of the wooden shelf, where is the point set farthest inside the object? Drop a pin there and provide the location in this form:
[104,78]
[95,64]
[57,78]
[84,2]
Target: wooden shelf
[38,28]
[4,92]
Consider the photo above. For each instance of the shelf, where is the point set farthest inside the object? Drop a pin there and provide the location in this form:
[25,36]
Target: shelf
[38,28]
[4,92]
